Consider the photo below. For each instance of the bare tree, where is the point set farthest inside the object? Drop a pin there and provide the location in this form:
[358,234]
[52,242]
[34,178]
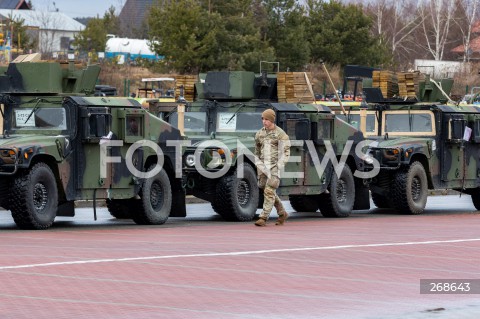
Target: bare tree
[395,22]
[466,23]
[438,16]
[49,24]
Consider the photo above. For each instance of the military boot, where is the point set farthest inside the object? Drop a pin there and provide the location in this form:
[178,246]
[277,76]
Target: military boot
[261,222]
[282,217]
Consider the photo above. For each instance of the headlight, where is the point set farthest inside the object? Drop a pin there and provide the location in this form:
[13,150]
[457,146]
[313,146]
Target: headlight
[190,160]
[368,159]
[391,154]
[216,160]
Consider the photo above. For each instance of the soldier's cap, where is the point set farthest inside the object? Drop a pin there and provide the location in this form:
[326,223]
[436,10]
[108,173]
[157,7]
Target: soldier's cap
[269,114]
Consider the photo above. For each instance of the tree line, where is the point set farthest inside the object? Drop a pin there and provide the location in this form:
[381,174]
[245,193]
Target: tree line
[200,35]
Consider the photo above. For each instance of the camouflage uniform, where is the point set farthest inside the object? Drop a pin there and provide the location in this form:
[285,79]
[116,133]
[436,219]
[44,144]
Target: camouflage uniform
[272,148]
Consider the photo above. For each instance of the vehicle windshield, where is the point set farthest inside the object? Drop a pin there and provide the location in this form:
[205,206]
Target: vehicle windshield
[240,122]
[409,123]
[194,121]
[48,118]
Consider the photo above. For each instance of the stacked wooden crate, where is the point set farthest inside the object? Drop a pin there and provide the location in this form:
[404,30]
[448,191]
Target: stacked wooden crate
[188,83]
[387,81]
[408,83]
[294,87]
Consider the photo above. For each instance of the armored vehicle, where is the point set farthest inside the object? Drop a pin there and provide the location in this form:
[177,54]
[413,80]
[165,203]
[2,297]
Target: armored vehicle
[431,144]
[422,147]
[219,164]
[59,145]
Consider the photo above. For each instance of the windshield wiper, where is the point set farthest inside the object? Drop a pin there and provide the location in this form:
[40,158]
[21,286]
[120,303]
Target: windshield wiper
[35,108]
[236,112]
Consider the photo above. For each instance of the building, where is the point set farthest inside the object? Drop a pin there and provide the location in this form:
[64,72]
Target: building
[473,52]
[133,17]
[54,30]
[15,4]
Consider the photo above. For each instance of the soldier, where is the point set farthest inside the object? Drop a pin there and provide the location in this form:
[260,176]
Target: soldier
[272,150]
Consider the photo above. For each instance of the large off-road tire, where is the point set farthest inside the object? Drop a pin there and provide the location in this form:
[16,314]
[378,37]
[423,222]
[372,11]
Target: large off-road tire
[410,190]
[121,208]
[303,203]
[476,198]
[34,199]
[155,203]
[237,199]
[380,201]
[341,197]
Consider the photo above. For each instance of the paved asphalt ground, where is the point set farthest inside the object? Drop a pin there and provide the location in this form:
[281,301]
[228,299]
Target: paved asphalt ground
[366,266]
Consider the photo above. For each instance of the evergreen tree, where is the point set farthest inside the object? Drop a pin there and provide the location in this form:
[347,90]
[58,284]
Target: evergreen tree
[94,37]
[342,35]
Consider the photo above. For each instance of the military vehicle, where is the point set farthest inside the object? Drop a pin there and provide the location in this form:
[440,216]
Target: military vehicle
[221,124]
[429,143]
[60,145]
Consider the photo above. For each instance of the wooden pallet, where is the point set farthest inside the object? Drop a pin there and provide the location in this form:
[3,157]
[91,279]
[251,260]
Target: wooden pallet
[188,83]
[387,81]
[294,87]
[408,83]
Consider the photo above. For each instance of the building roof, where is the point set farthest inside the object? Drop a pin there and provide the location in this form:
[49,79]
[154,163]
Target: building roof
[474,46]
[134,13]
[14,4]
[476,27]
[43,20]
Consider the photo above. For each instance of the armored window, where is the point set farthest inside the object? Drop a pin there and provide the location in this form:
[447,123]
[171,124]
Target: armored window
[193,121]
[298,129]
[353,119]
[324,129]
[134,125]
[40,119]
[477,131]
[419,123]
[240,122]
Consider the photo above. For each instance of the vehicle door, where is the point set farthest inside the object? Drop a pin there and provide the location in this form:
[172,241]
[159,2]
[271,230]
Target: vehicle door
[318,169]
[297,127]
[130,125]
[93,170]
[453,157]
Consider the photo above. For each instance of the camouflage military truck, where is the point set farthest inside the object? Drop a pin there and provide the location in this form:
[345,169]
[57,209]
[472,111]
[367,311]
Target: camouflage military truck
[420,146]
[59,145]
[221,125]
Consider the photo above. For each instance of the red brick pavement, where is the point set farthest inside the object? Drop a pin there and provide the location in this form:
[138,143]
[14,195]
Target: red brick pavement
[365,266]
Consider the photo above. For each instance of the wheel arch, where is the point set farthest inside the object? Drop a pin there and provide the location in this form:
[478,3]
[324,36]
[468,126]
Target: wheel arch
[424,161]
[178,192]
[52,163]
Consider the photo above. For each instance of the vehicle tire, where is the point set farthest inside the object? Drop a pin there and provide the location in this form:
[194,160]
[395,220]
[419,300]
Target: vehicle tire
[476,198]
[303,203]
[34,199]
[237,199]
[155,203]
[341,197]
[120,208]
[380,201]
[410,190]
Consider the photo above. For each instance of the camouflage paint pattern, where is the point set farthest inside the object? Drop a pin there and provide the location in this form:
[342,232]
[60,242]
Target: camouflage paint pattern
[225,96]
[71,148]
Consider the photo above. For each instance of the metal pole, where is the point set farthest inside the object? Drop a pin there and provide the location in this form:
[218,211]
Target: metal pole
[333,85]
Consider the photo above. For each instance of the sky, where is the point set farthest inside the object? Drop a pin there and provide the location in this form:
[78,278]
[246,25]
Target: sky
[79,8]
